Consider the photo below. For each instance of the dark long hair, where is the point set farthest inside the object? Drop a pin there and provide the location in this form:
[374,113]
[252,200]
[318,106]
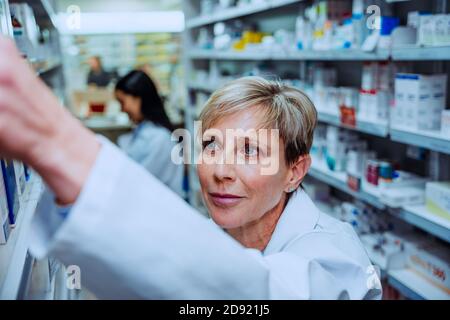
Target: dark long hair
[139,84]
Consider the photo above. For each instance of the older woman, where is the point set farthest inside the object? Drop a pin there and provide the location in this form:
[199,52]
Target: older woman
[240,199]
[134,238]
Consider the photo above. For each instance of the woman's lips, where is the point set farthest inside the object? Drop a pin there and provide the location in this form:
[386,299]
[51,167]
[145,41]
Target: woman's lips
[225,200]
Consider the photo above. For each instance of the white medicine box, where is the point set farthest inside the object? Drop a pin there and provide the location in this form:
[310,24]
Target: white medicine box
[433,263]
[438,199]
[445,124]
[420,100]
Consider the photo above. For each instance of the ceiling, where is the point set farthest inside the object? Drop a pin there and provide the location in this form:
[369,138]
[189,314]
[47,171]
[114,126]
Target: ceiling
[117,16]
[118,5]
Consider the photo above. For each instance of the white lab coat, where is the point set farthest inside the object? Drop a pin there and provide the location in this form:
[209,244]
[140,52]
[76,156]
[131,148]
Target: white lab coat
[133,238]
[151,146]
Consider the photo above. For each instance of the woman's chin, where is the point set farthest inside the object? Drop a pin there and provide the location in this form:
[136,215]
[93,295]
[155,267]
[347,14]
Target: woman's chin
[225,218]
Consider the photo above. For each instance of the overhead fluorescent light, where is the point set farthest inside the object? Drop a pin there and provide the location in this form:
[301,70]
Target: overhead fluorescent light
[79,23]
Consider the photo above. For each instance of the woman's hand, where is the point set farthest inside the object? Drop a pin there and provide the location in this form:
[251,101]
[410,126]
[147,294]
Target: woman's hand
[34,128]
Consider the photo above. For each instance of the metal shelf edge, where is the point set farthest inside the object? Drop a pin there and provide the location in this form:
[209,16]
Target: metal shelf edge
[420,140]
[237,12]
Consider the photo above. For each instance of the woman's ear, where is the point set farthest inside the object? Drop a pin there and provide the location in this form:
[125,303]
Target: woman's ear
[297,172]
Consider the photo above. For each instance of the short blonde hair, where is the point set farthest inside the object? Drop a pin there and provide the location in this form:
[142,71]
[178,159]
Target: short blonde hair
[286,108]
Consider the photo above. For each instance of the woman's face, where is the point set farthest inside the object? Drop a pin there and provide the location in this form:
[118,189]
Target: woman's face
[130,105]
[238,194]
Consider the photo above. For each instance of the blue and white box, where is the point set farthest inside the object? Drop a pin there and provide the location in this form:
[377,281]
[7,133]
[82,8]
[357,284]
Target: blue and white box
[4,220]
[12,192]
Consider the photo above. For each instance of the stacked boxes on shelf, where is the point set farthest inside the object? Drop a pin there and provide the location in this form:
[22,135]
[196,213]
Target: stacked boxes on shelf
[390,243]
[419,101]
[343,151]
[325,25]
[432,262]
[12,195]
[431,29]
[375,94]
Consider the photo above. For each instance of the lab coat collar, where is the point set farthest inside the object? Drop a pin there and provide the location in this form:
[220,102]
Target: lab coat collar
[299,217]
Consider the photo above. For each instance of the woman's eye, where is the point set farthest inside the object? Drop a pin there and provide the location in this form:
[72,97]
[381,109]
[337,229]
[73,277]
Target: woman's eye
[250,150]
[209,145]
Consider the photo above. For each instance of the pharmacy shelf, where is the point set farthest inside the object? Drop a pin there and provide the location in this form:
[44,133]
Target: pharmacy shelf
[338,180]
[425,139]
[341,55]
[13,255]
[409,283]
[103,123]
[377,259]
[50,67]
[376,129]
[415,53]
[429,140]
[415,287]
[206,86]
[207,54]
[237,12]
[42,10]
[324,55]
[415,215]
[421,218]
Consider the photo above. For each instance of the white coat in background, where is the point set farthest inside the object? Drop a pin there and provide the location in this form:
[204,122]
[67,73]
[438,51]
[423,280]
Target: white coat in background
[133,238]
[150,145]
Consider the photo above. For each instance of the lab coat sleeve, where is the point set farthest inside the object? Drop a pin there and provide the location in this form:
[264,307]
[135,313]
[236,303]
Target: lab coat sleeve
[134,238]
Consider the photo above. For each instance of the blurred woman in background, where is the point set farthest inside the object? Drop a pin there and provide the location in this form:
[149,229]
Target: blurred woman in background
[97,75]
[150,142]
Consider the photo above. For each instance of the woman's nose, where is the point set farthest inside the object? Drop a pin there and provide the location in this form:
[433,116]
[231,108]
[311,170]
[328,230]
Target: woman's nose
[224,171]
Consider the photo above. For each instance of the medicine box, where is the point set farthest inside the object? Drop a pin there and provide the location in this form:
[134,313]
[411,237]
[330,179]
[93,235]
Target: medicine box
[438,198]
[12,195]
[404,196]
[445,124]
[420,99]
[425,30]
[413,19]
[433,263]
[441,30]
[4,220]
